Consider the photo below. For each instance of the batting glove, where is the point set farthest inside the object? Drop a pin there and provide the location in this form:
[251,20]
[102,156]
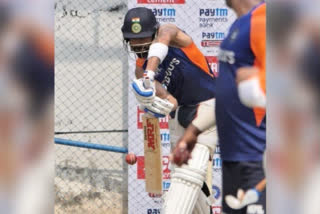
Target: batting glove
[158,108]
[144,88]
[243,199]
[144,95]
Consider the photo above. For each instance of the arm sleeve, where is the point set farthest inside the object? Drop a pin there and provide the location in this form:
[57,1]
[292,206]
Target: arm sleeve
[258,42]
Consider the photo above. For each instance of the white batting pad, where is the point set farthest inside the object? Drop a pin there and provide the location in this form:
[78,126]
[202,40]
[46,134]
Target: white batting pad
[186,183]
[202,206]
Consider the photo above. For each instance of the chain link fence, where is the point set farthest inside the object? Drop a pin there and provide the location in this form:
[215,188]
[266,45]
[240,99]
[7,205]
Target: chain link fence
[91,96]
[91,106]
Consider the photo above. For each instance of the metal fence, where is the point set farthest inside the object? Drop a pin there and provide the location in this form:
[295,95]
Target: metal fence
[91,99]
[91,106]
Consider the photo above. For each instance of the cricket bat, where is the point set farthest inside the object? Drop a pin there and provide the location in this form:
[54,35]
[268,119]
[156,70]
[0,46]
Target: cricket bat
[152,155]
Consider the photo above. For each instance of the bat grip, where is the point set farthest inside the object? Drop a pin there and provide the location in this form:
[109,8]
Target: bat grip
[148,77]
[146,82]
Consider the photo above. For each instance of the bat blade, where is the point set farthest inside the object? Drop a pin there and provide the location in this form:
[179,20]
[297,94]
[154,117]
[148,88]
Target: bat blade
[152,155]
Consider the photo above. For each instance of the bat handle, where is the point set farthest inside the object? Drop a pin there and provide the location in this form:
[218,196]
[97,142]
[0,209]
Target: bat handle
[148,77]
[147,82]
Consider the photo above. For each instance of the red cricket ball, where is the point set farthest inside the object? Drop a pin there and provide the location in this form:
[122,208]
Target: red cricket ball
[181,156]
[131,158]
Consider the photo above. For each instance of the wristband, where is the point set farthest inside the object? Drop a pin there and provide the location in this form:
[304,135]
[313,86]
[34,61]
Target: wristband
[159,50]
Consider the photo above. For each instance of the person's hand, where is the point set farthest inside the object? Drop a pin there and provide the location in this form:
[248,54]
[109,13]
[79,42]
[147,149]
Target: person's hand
[158,108]
[245,198]
[144,96]
[181,154]
[242,199]
[148,79]
[144,88]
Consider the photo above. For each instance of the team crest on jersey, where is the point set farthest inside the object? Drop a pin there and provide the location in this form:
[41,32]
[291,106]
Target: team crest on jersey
[234,35]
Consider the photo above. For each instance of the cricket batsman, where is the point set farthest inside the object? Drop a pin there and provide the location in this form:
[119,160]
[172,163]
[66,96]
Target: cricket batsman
[180,83]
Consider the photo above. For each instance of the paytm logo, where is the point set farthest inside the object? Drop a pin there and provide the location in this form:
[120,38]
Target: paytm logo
[213,12]
[164,11]
[210,17]
[212,39]
[213,35]
[217,163]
